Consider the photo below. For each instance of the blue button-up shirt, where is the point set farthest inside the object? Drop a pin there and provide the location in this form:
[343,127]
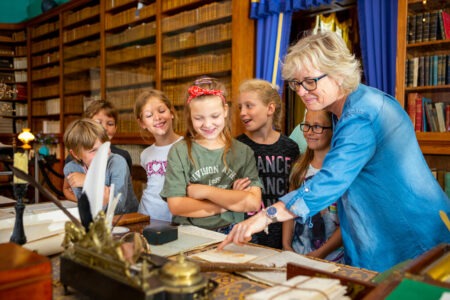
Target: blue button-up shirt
[388,199]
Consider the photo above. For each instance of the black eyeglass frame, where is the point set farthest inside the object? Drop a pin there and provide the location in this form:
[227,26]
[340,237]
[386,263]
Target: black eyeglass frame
[295,85]
[315,128]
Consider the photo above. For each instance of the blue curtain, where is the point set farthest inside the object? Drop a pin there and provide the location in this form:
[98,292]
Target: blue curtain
[274,18]
[378,36]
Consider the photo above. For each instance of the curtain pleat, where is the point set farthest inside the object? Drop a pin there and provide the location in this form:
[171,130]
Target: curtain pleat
[378,35]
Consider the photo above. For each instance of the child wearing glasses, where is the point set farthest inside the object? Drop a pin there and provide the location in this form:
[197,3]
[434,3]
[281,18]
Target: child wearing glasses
[320,236]
[260,112]
[155,115]
[206,169]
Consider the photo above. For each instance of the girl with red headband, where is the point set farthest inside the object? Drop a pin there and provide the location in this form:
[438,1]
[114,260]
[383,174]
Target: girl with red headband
[207,169]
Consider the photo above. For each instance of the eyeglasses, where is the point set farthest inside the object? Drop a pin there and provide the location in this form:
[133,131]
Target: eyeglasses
[315,128]
[309,84]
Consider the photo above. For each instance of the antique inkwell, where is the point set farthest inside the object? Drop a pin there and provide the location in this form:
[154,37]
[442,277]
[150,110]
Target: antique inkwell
[95,257]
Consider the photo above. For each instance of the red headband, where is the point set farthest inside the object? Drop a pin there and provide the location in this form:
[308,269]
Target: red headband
[195,91]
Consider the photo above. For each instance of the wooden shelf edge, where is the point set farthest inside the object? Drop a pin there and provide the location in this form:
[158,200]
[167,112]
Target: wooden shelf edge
[434,142]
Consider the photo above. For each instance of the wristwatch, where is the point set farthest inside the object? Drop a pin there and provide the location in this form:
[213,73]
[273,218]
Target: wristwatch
[271,213]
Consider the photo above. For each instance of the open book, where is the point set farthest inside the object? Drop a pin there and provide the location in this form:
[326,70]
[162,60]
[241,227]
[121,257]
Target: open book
[263,256]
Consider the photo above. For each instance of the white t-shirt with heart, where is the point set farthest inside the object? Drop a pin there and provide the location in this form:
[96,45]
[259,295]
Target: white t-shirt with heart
[154,161]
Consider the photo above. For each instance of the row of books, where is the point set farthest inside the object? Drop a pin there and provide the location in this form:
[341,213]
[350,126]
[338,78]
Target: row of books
[48,72]
[130,53]
[21,76]
[169,4]
[130,75]
[426,115]
[44,45]
[21,109]
[46,107]
[50,126]
[130,15]
[80,32]
[428,26]
[45,90]
[82,84]
[125,98]
[428,70]
[83,48]
[82,64]
[44,29]
[6,125]
[205,13]
[197,65]
[139,32]
[46,58]
[73,17]
[202,36]
[134,150]
[20,62]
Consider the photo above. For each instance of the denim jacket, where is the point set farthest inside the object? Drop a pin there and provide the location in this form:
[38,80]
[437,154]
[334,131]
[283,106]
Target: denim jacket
[388,200]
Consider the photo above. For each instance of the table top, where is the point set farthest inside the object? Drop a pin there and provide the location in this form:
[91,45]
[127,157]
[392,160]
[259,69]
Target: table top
[230,285]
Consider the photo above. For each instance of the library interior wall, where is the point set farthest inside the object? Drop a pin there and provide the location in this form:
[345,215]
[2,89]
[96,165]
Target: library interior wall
[16,11]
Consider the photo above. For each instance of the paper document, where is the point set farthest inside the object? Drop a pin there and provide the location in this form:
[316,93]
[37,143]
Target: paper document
[189,238]
[264,256]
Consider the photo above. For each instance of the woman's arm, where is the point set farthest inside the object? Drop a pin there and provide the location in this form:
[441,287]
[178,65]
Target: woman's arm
[193,208]
[242,232]
[233,200]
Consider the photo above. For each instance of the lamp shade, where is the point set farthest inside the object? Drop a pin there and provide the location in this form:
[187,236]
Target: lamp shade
[26,137]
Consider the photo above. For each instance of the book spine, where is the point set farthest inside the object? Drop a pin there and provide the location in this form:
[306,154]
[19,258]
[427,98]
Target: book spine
[419,114]
[446,21]
[411,108]
[440,116]
[447,117]
[426,27]
[441,25]
[419,27]
[433,25]
[411,29]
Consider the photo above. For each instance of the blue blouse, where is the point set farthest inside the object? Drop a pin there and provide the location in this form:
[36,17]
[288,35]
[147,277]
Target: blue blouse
[389,201]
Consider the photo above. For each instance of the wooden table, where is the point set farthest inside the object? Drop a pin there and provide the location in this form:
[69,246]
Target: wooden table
[230,285]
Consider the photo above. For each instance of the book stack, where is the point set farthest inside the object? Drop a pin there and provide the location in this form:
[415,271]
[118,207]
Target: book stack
[428,26]
[428,115]
[428,70]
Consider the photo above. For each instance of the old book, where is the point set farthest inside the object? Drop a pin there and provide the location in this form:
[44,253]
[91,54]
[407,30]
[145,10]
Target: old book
[411,107]
[446,23]
[440,112]
[264,256]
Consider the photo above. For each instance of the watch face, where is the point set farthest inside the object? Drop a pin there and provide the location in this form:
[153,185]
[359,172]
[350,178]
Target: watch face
[271,211]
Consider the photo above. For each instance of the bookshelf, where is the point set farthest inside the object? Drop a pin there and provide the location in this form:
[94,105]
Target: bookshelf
[13,78]
[44,86]
[81,58]
[428,45]
[113,49]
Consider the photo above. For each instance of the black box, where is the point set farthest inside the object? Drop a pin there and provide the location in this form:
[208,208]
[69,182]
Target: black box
[158,234]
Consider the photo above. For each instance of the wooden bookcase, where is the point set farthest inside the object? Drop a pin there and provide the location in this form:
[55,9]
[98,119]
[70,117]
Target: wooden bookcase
[431,143]
[13,78]
[113,49]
